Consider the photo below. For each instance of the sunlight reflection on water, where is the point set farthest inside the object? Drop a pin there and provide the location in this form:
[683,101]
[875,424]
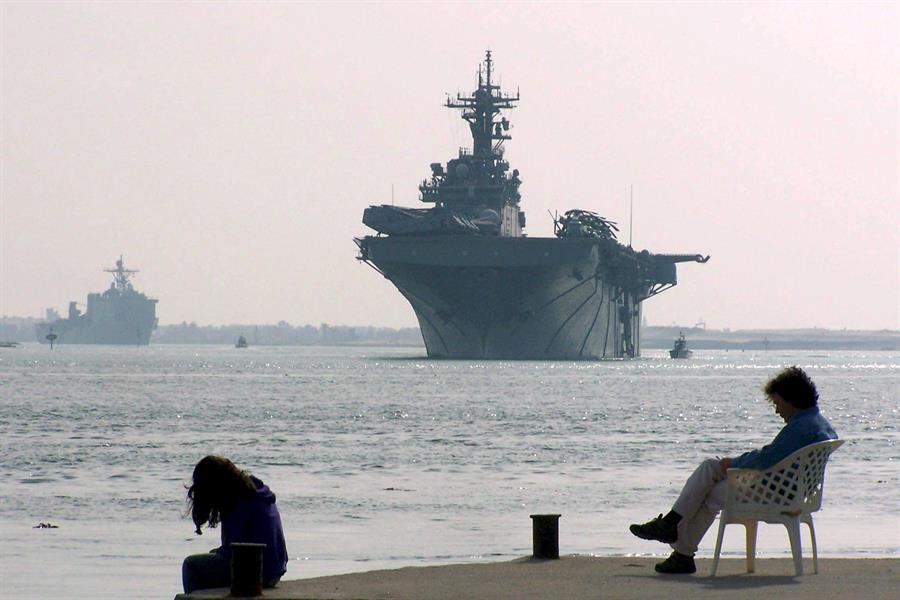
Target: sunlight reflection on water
[444,458]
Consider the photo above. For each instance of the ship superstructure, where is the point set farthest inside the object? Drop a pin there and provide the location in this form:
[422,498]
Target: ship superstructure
[475,192]
[480,288]
[119,315]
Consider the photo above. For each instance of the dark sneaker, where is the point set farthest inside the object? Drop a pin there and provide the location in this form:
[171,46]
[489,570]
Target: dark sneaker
[677,564]
[656,529]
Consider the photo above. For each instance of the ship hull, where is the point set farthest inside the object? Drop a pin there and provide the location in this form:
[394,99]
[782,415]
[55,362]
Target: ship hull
[512,298]
[83,331]
[111,318]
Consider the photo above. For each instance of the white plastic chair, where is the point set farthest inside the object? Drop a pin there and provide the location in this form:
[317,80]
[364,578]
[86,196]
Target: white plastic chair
[787,493]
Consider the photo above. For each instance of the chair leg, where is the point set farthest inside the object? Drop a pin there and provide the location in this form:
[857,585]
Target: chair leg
[715,564]
[751,545]
[812,537]
[793,529]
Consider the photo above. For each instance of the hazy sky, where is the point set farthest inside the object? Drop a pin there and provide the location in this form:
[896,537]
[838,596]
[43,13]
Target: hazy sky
[228,150]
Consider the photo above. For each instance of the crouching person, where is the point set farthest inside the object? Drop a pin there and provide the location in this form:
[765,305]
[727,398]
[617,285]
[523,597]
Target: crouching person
[245,506]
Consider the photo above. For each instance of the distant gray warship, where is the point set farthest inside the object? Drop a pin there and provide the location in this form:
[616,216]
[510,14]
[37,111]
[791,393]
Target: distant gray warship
[120,315]
[480,288]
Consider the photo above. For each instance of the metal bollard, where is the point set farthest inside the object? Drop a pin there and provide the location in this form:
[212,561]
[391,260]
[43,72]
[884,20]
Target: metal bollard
[545,533]
[246,569]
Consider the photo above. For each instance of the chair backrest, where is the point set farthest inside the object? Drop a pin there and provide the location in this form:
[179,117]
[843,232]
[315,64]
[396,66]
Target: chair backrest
[793,486]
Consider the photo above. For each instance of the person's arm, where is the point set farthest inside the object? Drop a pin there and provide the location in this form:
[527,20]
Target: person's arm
[769,454]
[225,549]
[233,525]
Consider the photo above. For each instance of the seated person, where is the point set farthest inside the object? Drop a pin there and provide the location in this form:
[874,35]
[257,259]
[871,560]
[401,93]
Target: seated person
[795,399]
[246,508]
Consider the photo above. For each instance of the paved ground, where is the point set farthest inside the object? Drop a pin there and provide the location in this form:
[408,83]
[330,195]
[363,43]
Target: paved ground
[582,577]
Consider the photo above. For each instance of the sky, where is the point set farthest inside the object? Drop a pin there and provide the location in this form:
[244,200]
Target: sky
[228,150]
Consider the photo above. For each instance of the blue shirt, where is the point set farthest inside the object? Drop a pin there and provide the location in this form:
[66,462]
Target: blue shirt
[806,427]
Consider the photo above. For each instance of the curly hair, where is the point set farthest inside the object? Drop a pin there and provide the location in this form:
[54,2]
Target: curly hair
[217,485]
[795,387]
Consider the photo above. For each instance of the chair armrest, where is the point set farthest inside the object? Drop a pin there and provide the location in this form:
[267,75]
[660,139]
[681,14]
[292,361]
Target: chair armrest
[736,474]
[791,486]
[740,483]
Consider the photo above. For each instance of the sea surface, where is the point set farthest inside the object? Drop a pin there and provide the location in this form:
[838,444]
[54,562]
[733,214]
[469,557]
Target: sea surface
[381,457]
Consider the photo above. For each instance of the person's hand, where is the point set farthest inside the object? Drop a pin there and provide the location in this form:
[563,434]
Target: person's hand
[725,463]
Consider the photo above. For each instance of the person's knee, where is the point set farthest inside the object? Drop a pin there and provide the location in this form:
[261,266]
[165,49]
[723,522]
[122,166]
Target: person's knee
[187,575]
[713,466]
[192,572]
[190,562]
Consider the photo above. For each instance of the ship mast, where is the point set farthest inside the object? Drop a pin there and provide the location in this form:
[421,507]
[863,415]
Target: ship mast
[121,275]
[481,107]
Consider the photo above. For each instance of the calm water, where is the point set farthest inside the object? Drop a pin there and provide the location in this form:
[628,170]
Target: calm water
[383,458]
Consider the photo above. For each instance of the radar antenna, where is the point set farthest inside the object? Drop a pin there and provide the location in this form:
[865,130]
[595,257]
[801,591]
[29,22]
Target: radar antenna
[481,107]
[121,275]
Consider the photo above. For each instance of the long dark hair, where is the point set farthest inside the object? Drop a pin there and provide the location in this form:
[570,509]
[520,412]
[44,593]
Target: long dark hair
[217,485]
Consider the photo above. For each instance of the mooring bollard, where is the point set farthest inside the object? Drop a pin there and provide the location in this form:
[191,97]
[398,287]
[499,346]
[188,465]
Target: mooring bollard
[246,569]
[545,533]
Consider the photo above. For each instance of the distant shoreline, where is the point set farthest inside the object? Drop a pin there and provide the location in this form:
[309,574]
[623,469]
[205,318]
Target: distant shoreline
[21,329]
[771,339]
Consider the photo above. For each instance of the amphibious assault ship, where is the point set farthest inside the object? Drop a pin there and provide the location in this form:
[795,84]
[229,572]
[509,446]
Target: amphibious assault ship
[120,315]
[480,288]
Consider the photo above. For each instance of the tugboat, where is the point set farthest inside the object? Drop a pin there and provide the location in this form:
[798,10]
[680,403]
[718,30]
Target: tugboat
[680,349]
[480,288]
[241,342]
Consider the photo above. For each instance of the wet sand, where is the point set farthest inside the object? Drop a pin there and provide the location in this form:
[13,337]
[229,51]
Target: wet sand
[607,578]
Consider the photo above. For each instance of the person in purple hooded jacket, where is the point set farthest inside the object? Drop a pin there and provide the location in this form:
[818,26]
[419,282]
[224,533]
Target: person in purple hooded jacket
[245,506]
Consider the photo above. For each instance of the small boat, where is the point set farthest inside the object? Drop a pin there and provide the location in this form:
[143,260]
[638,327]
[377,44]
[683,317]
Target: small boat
[680,350]
[242,342]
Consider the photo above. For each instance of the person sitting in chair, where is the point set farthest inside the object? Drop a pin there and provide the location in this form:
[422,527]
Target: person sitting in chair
[795,399]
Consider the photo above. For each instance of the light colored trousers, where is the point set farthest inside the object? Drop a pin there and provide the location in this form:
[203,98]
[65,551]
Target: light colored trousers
[701,499]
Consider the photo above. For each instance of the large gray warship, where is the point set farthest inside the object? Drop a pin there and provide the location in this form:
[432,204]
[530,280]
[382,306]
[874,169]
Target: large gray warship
[480,288]
[120,315]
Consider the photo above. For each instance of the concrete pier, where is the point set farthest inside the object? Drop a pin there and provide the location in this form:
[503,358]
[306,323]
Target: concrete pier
[587,577]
